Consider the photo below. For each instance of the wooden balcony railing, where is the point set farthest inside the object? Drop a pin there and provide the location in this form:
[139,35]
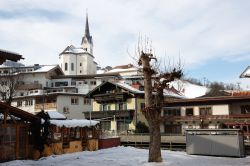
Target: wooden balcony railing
[45,106]
[110,97]
[109,114]
[28,86]
[206,117]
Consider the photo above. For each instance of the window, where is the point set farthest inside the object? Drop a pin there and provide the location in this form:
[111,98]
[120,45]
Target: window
[56,133]
[61,84]
[104,107]
[125,106]
[106,125]
[73,82]
[19,103]
[189,111]
[245,109]
[87,101]
[122,125]
[142,106]
[66,110]
[120,106]
[74,101]
[80,71]
[30,102]
[172,112]
[80,64]
[72,66]
[205,110]
[92,82]
[66,66]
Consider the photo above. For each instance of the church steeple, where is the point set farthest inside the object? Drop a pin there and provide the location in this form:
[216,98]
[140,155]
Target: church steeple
[87,37]
[87,26]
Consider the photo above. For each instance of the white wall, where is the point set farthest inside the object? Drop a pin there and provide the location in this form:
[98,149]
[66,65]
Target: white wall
[27,108]
[75,111]
[30,78]
[220,109]
[88,66]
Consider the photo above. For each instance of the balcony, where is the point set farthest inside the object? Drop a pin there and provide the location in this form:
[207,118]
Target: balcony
[206,117]
[29,86]
[109,114]
[111,97]
[45,106]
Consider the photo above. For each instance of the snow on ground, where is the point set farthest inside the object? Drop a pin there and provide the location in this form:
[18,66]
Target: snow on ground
[129,156]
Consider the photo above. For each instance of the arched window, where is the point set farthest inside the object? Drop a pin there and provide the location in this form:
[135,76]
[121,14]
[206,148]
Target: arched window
[66,66]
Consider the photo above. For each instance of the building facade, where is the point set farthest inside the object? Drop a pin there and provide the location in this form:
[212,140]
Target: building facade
[207,113]
[79,60]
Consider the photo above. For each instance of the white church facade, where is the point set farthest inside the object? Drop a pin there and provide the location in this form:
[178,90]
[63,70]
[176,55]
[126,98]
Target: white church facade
[79,60]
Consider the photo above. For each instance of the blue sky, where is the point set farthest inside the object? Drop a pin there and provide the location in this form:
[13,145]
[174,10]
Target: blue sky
[210,36]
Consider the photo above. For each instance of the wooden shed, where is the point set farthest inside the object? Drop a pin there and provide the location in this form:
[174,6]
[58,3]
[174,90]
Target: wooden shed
[16,140]
[69,135]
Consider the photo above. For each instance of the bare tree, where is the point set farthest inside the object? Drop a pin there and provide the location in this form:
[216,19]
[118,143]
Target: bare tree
[8,86]
[154,84]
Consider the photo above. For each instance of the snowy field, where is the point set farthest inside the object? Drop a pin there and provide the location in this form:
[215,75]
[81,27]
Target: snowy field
[129,156]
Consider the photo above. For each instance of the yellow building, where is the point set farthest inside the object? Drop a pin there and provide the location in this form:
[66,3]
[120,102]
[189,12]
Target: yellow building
[117,105]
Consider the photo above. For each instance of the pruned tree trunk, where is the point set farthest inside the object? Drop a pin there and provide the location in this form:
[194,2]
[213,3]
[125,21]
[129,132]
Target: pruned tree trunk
[151,113]
[154,99]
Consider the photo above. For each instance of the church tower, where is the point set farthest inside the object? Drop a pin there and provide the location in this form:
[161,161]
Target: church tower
[87,43]
[79,60]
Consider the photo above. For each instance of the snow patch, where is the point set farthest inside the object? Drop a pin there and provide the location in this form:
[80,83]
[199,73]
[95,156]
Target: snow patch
[74,123]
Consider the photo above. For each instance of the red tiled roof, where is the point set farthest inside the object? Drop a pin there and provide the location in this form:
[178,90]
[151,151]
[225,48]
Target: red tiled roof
[241,93]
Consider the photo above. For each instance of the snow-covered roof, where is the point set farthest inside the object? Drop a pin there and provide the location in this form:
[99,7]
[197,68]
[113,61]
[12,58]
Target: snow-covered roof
[117,70]
[246,73]
[53,114]
[169,93]
[74,123]
[128,87]
[188,89]
[100,71]
[45,68]
[74,50]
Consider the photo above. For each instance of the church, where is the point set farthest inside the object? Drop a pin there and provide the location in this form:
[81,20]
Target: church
[79,60]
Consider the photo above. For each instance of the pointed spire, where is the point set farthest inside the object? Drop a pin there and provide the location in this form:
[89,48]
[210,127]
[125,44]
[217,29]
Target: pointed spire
[87,34]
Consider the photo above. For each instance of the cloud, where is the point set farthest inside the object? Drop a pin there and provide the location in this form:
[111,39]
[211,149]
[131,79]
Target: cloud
[198,31]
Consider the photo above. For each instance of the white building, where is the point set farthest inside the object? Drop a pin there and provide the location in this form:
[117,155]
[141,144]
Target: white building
[79,60]
[71,105]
